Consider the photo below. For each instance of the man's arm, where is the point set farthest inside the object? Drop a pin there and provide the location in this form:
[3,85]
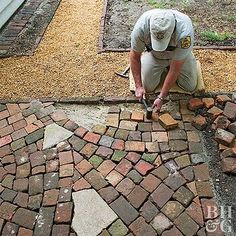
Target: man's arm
[135,65]
[175,67]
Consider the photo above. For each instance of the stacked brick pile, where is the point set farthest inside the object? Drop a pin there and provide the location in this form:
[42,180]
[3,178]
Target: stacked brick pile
[220,114]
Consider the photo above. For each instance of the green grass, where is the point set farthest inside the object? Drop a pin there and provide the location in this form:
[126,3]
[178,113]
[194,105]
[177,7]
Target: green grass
[216,37]
[161,4]
[231,18]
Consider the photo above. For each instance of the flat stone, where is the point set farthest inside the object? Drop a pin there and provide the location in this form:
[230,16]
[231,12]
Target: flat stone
[137,196]
[44,221]
[178,145]
[177,134]
[161,223]
[124,210]
[8,195]
[221,122]
[199,122]
[195,103]
[135,176]
[125,186]
[214,112]
[91,221]
[201,172]
[161,172]
[55,134]
[208,102]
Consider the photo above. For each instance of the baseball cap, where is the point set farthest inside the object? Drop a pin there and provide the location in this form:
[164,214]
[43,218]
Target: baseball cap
[162,25]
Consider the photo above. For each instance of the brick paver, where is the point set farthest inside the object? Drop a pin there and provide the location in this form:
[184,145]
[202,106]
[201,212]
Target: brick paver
[151,174]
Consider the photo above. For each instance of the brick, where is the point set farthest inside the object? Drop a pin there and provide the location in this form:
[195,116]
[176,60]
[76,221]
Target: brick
[128,125]
[174,181]
[135,146]
[146,137]
[122,134]
[37,159]
[161,195]
[7,180]
[183,195]
[124,167]
[92,137]
[18,134]
[77,157]
[58,115]
[96,179]
[167,121]
[125,186]
[195,103]
[21,199]
[135,176]
[111,131]
[80,132]
[199,122]
[133,157]
[186,225]
[114,177]
[148,211]
[4,114]
[65,194]
[224,137]
[83,167]
[124,210]
[144,127]
[134,136]
[27,221]
[3,123]
[222,99]
[137,116]
[35,201]
[104,152]
[143,167]
[172,231]
[8,195]
[25,232]
[36,184]
[159,137]
[118,228]
[3,107]
[195,212]
[52,166]
[112,120]
[60,230]
[230,111]
[201,172]
[234,97]
[31,119]
[19,124]
[188,173]
[7,210]
[65,157]
[40,113]
[106,141]
[209,204]
[63,212]
[229,165]
[5,140]
[140,227]
[161,223]
[50,197]
[214,112]
[20,143]
[10,229]
[77,143]
[66,170]
[118,144]
[178,145]
[221,122]
[152,147]
[21,185]
[23,171]
[81,184]
[88,150]
[232,128]
[193,136]
[6,130]
[51,180]
[15,118]
[106,167]
[125,115]
[150,183]
[11,169]
[13,108]
[172,209]
[208,102]
[149,157]
[9,159]
[109,194]
[35,136]
[137,196]
[95,161]
[183,161]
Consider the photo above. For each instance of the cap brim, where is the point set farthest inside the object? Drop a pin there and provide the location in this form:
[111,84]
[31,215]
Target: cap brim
[159,45]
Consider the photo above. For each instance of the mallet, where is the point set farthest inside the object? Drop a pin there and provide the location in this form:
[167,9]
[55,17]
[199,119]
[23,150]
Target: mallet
[148,109]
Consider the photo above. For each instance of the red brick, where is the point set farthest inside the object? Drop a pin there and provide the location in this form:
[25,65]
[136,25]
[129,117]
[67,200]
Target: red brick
[194,104]
[65,182]
[224,137]
[19,134]
[13,108]
[80,132]
[83,167]
[4,114]
[124,167]
[114,178]
[230,111]
[133,157]
[195,212]
[137,196]
[135,146]
[106,167]
[118,144]
[167,121]
[52,166]
[15,118]
[7,210]
[214,112]
[77,157]
[81,184]
[24,232]
[199,122]
[61,230]
[31,128]
[208,102]
[222,99]
[50,197]
[143,167]
[125,186]
[39,123]
[5,140]
[65,158]
[104,152]
[64,212]
[19,124]
[150,183]
[140,227]
[137,116]
[92,137]
[229,165]
[59,115]
[6,130]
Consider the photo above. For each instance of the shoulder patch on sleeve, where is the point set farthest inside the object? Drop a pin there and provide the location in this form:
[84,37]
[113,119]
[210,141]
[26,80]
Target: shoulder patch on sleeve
[185,42]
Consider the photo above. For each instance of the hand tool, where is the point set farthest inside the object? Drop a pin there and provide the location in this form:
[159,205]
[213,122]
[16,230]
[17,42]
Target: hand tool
[148,109]
[124,73]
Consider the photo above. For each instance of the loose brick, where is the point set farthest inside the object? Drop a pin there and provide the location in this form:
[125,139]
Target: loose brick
[195,103]
[63,212]
[229,165]
[214,112]
[224,137]
[222,99]
[208,102]
[167,121]
[199,122]
[230,111]
[221,122]
[59,115]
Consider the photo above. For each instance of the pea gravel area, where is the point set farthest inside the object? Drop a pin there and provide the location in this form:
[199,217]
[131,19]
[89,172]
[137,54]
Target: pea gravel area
[66,63]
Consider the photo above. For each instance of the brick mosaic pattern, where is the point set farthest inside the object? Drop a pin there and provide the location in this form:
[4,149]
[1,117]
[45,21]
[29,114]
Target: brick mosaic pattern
[154,179]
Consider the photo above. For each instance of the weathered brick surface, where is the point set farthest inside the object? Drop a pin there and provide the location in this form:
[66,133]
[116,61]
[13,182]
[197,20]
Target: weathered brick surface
[63,212]
[230,111]
[140,227]
[224,137]
[167,121]
[195,103]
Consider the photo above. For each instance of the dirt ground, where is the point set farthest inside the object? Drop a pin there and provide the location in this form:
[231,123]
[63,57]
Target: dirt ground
[216,16]
[66,63]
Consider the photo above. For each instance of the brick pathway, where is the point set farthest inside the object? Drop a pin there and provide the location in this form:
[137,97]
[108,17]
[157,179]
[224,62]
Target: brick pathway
[151,181]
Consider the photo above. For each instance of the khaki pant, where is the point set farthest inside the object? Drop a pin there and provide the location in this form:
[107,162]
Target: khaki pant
[154,71]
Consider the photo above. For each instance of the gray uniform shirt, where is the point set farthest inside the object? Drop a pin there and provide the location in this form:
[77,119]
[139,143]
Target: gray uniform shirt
[181,42]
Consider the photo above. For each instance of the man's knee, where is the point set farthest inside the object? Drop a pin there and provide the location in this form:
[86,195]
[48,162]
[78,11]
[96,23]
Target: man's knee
[187,84]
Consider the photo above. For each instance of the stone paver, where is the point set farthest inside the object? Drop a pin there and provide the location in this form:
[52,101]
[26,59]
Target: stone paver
[149,178]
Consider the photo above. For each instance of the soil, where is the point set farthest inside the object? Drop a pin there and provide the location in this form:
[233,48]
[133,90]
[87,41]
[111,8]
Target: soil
[212,15]
[67,63]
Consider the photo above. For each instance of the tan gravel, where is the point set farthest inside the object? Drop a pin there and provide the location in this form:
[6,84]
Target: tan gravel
[66,63]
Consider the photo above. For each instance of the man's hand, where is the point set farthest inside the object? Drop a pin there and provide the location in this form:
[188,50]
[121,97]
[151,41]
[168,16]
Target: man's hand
[157,105]
[140,93]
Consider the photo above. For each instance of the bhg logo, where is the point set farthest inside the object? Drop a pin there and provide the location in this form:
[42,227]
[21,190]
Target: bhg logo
[223,222]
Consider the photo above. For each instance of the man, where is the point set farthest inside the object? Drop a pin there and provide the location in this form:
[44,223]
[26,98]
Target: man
[167,36]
